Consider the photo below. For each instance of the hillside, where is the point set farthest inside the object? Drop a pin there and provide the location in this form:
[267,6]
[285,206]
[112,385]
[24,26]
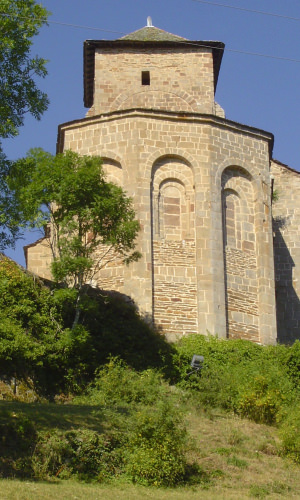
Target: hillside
[239,459]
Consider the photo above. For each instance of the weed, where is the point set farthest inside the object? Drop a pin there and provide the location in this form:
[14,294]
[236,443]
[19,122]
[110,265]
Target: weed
[237,462]
[224,451]
[235,437]
[259,491]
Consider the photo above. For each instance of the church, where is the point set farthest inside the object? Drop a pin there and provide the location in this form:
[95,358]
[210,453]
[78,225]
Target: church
[220,218]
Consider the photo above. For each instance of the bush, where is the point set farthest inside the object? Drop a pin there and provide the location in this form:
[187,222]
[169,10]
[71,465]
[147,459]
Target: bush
[32,336]
[145,438]
[117,384]
[17,441]
[52,455]
[155,436]
[216,352]
[155,453]
[290,433]
[252,380]
[260,399]
[291,358]
[218,381]
[82,452]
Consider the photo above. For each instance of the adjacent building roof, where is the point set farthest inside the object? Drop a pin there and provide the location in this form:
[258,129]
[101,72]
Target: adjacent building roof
[147,37]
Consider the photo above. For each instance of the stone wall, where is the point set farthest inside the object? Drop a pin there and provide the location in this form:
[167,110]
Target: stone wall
[240,254]
[38,258]
[179,170]
[286,230]
[174,249]
[201,190]
[179,80]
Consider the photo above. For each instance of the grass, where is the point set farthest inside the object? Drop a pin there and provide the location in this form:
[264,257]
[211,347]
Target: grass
[246,456]
[239,458]
[69,490]
[48,415]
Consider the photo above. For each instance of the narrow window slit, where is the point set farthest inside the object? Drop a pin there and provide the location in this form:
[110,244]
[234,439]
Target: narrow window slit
[145,77]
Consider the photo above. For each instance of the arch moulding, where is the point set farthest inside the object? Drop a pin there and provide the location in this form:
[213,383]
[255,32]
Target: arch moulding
[178,154]
[111,155]
[235,162]
[124,96]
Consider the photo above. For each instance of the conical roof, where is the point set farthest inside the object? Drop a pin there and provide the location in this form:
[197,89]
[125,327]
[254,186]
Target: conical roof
[151,34]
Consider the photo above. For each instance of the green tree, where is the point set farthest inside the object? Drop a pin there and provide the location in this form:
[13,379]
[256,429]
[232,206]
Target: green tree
[34,346]
[20,21]
[19,94]
[9,214]
[91,221]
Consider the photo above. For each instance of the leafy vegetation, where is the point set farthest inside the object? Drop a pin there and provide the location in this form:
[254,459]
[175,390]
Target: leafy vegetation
[139,438]
[90,222]
[256,382]
[131,410]
[19,93]
[32,343]
[39,347]
[20,22]
[172,441]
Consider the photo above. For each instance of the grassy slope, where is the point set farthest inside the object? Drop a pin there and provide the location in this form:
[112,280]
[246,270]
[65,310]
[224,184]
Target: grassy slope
[239,457]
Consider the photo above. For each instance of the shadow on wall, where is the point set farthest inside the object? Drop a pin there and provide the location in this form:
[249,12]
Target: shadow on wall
[287,300]
[117,329]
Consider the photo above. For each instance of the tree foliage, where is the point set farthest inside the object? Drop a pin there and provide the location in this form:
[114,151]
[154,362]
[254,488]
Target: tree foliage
[20,21]
[92,222]
[9,214]
[19,94]
[33,341]
[38,346]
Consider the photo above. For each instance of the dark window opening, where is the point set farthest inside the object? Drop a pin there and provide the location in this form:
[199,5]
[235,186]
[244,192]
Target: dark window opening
[145,77]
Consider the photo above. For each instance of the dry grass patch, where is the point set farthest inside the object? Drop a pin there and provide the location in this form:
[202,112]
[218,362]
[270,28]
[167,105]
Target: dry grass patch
[242,457]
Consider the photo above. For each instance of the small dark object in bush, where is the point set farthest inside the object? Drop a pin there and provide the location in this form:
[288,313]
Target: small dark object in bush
[196,364]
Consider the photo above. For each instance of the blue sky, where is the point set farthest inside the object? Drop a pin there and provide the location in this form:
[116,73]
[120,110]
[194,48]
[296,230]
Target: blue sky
[258,91]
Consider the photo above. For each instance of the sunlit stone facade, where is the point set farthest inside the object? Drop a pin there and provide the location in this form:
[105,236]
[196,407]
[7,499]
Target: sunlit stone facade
[201,187]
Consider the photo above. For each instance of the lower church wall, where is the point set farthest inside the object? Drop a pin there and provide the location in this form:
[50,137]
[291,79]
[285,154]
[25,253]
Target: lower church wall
[286,237]
[193,276]
[242,295]
[175,288]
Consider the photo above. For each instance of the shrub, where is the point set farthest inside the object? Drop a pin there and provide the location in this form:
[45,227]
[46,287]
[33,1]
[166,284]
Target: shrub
[155,453]
[116,383]
[216,352]
[17,441]
[292,361]
[82,452]
[52,455]
[290,433]
[263,395]
[155,437]
[96,456]
[252,380]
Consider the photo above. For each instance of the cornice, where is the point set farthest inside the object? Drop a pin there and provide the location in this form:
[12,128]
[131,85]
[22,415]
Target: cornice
[174,116]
